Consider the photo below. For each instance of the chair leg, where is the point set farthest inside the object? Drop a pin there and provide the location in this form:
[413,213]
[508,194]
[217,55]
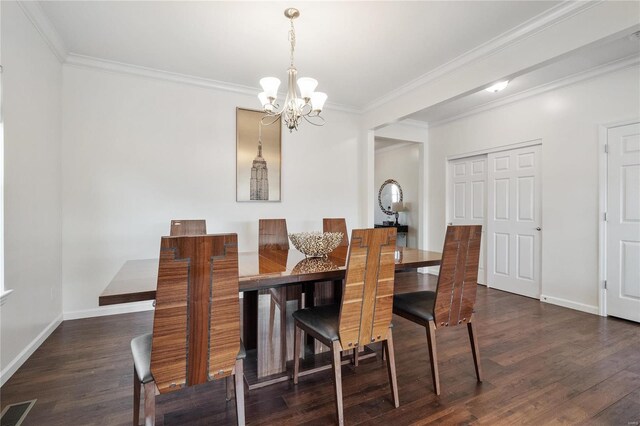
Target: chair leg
[356,355]
[391,367]
[239,389]
[150,404]
[336,351]
[229,386]
[433,357]
[283,327]
[136,397]
[297,343]
[473,339]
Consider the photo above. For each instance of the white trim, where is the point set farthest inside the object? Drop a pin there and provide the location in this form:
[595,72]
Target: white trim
[124,308]
[414,123]
[588,74]
[5,294]
[602,225]
[603,130]
[536,24]
[37,16]
[394,147]
[17,362]
[509,147]
[431,270]
[83,61]
[590,309]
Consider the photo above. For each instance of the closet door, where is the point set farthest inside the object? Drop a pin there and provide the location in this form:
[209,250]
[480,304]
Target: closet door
[514,221]
[623,222]
[467,198]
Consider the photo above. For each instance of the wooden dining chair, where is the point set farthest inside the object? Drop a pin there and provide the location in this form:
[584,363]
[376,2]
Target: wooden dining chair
[364,315]
[452,302]
[188,227]
[196,323]
[336,225]
[272,235]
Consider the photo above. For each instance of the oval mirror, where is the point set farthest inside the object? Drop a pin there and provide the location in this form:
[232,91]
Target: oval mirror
[390,192]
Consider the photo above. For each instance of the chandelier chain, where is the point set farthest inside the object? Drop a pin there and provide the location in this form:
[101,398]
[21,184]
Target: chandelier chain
[292,40]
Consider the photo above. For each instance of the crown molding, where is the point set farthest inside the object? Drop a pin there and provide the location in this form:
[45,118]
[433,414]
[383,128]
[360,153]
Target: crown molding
[83,61]
[43,25]
[515,35]
[594,72]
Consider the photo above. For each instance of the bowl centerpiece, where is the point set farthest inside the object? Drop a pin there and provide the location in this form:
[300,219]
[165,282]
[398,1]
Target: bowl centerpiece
[316,244]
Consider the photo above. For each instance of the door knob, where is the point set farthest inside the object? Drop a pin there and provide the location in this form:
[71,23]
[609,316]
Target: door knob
[538,229]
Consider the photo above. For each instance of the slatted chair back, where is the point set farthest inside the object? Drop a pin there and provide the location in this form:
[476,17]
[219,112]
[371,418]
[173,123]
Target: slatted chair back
[367,301]
[196,325]
[188,227]
[458,278]
[272,234]
[336,225]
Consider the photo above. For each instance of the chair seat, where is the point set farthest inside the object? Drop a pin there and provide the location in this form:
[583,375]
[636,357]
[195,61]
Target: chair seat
[417,304]
[141,350]
[320,320]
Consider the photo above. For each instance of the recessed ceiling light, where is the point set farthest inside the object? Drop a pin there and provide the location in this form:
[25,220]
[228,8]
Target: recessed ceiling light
[497,87]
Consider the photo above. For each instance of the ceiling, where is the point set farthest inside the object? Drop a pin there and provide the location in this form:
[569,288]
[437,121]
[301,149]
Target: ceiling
[582,61]
[358,51]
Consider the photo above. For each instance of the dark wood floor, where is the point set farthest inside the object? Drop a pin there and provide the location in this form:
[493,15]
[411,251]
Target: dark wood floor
[542,364]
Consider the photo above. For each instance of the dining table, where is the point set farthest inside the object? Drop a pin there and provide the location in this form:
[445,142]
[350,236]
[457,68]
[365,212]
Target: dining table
[259,271]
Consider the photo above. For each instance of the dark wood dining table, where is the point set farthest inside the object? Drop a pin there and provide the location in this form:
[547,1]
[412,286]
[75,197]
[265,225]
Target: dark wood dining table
[258,271]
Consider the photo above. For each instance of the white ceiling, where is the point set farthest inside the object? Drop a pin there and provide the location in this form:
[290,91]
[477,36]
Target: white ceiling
[358,51]
[582,61]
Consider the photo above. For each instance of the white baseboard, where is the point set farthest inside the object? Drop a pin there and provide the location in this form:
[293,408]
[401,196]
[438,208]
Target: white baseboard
[17,362]
[124,308]
[433,270]
[570,304]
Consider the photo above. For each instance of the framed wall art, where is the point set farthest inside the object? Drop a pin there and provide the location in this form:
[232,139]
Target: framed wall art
[258,157]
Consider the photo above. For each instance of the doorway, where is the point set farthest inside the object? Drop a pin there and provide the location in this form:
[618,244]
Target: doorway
[401,161]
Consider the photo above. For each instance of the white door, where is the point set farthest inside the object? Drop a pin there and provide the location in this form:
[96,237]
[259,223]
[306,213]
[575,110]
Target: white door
[467,198]
[514,221]
[623,222]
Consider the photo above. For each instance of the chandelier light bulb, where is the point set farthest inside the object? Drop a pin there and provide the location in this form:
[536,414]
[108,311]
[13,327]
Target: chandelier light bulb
[317,101]
[307,86]
[270,86]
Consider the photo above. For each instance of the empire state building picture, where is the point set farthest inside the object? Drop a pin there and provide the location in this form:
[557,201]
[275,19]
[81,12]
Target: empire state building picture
[257,157]
[259,185]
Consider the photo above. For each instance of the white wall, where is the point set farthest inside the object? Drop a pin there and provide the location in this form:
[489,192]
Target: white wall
[138,152]
[32,79]
[567,121]
[403,165]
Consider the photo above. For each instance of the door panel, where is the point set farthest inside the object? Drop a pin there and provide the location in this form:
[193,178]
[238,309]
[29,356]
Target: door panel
[513,251]
[467,198]
[623,225]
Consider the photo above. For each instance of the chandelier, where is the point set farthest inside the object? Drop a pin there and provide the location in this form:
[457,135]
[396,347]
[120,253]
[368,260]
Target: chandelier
[305,104]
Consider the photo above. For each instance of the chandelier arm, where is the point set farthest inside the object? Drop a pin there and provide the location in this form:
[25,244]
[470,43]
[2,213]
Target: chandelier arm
[267,122]
[309,120]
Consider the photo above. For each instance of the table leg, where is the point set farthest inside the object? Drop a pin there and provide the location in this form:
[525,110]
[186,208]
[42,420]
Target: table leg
[250,319]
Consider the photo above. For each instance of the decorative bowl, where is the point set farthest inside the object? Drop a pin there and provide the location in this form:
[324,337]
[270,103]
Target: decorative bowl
[316,244]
